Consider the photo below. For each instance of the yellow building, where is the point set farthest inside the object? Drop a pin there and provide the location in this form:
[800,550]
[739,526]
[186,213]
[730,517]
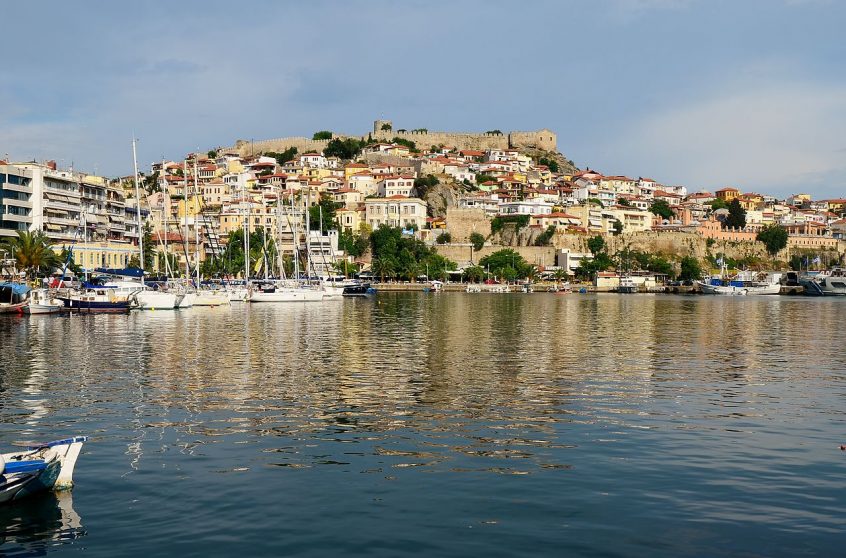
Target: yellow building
[727,194]
[92,255]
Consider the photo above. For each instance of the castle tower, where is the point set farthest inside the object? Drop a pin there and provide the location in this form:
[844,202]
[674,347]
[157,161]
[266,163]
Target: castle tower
[378,124]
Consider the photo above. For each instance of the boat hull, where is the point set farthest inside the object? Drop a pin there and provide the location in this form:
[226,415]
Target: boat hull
[156,300]
[287,295]
[60,459]
[211,298]
[77,305]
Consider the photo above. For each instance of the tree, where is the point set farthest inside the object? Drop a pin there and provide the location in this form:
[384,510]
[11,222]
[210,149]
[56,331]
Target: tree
[384,267]
[32,252]
[618,227]
[494,132]
[477,240]
[408,143]
[596,244]
[690,269]
[353,244]
[474,273]
[661,208]
[285,156]
[624,202]
[506,263]
[212,154]
[774,237]
[736,216]
[66,260]
[343,148]
[444,238]
[482,178]
[718,204]
[544,237]
[595,201]
[322,135]
[551,164]
[323,212]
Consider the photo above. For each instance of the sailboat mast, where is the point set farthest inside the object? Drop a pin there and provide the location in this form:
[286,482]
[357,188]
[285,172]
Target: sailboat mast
[196,232]
[138,209]
[185,228]
[246,216]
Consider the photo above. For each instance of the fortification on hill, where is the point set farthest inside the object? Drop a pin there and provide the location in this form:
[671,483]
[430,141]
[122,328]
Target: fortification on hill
[383,130]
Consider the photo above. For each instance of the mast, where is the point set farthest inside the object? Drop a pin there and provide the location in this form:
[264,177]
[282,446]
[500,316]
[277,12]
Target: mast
[246,214]
[165,217]
[196,232]
[185,227]
[138,209]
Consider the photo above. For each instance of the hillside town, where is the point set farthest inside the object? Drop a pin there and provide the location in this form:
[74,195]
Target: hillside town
[466,193]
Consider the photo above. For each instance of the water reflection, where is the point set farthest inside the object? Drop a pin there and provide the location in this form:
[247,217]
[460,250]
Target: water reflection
[678,396]
[34,526]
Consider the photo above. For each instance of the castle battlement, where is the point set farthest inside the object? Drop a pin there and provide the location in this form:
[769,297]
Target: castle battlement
[544,139]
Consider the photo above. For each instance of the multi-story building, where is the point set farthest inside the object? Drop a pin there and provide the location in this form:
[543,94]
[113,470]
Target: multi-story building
[16,200]
[395,211]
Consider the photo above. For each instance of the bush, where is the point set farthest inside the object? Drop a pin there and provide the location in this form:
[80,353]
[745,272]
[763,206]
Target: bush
[498,222]
[444,238]
[477,240]
[322,135]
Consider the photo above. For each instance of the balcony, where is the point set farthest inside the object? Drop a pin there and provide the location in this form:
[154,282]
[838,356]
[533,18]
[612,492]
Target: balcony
[18,203]
[17,188]
[17,218]
[61,221]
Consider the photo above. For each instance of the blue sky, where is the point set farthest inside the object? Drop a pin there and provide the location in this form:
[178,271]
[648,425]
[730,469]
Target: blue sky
[703,93]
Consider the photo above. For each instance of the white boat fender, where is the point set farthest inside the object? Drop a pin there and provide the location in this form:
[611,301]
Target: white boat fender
[2,465]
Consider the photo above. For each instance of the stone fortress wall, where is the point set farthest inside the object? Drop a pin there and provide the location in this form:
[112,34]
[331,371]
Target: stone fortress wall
[542,139]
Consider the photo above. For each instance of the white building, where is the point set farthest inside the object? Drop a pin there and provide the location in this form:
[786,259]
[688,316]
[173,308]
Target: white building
[395,211]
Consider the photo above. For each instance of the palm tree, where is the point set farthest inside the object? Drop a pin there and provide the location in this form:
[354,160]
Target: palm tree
[559,275]
[32,252]
[383,267]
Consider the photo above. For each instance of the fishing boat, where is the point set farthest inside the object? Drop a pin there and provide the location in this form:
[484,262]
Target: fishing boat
[39,468]
[744,283]
[13,297]
[146,298]
[43,301]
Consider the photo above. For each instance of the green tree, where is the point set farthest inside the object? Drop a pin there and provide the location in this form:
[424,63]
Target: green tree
[496,132]
[551,164]
[68,261]
[322,135]
[596,244]
[384,267]
[736,217]
[718,204]
[690,269]
[285,156]
[477,240]
[624,202]
[618,227]
[506,263]
[444,238]
[545,237]
[33,253]
[347,148]
[774,237]
[661,208]
[323,212]
[353,244]
[482,178]
[474,273]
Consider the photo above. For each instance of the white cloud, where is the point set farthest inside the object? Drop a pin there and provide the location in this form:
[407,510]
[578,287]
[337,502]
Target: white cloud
[770,138]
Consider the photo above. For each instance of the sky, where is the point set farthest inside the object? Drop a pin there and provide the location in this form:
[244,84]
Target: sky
[698,93]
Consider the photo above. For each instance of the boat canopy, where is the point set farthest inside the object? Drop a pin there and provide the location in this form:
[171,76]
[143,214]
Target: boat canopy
[13,293]
[16,288]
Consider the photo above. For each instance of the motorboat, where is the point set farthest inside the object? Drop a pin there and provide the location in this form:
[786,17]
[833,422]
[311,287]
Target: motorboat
[627,286]
[43,301]
[832,282]
[39,468]
[744,283]
[719,289]
[14,297]
[434,287]
[237,294]
[359,289]
[146,297]
[97,299]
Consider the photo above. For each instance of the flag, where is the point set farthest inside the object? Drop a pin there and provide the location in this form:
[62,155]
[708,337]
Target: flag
[720,261]
[817,260]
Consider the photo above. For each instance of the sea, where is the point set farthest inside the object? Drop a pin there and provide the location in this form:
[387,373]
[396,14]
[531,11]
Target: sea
[437,424]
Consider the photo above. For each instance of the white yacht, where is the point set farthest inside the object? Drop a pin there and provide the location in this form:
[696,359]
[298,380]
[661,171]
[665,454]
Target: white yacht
[832,282]
[145,297]
[43,301]
[280,292]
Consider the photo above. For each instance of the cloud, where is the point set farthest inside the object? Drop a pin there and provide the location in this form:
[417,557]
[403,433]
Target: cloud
[777,139]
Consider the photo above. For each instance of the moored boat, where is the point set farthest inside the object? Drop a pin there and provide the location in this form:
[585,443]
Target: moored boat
[13,297]
[359,289]
[39,468]
[96,299]
[43,301]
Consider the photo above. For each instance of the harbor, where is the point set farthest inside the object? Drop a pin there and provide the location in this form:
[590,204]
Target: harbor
[607,420]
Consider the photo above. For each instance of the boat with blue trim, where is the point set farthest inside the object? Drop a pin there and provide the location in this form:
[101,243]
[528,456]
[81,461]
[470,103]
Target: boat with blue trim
[39,468]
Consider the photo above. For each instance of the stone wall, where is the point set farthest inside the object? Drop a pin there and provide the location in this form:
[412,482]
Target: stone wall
[461,223]
[460,140]
[461,253]
[303,145]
